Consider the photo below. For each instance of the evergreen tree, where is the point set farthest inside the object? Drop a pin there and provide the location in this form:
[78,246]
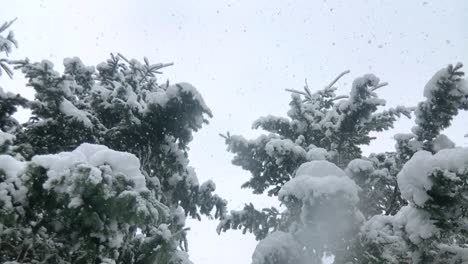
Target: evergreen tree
[432,227]
[341,203]
[99,173]
[323,133]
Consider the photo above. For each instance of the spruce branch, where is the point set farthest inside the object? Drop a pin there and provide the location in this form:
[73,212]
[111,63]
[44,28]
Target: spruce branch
[339,97]
[379,86]
[296,91]
[6,25]
[306,88]
[337,78]
[227,136]
[309,95]
[6,69]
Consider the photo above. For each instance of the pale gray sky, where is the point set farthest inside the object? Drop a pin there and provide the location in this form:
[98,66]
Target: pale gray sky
[241,55]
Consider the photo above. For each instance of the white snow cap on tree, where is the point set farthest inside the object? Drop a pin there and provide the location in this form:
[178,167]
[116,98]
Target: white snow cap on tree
[12,191]
[442,74]
[319,178]
[359,165]
[278,247]
[442,142]
[6,137]
[414,180]
[68,109]
[317,154]
[411,223]
[93,157]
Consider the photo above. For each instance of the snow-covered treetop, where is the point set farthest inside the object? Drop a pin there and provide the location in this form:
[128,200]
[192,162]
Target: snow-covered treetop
[319,179]
[122,106]
[416,179]
[104,155]
[337,125]
[446,93]
[432,227]
[432,176]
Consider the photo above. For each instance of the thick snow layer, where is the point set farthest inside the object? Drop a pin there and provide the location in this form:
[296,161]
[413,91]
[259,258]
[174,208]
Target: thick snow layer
[271,119]
[192,178]
[319,178]
[368,79]
[442,142]
[10,166]
[317,154]
[181,257]
[4,137]
[68,109]
[444,74]
[315,187]
[6,95]
[284,147]
[162,97]
[432,84]
[208,186]
[75,63]
[277,247]
[359,165]
[92,156]
[410,222]
[463,86]
[319,168]
[164,232]
[403,136]
[413,179]
[362,83]
[12,191]
[179,216]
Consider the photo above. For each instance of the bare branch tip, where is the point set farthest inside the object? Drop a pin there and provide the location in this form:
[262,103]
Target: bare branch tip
[337,78]
[380,85]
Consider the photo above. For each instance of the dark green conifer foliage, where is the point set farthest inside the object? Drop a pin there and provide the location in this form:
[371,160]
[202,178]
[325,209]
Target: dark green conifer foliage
[99,173]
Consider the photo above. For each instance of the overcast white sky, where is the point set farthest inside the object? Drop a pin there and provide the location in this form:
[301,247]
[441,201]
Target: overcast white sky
[241,55]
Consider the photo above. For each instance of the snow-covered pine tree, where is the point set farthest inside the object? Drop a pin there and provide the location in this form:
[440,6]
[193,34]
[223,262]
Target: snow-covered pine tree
[341,203]
[432,228]
[313,162]
[99,174]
